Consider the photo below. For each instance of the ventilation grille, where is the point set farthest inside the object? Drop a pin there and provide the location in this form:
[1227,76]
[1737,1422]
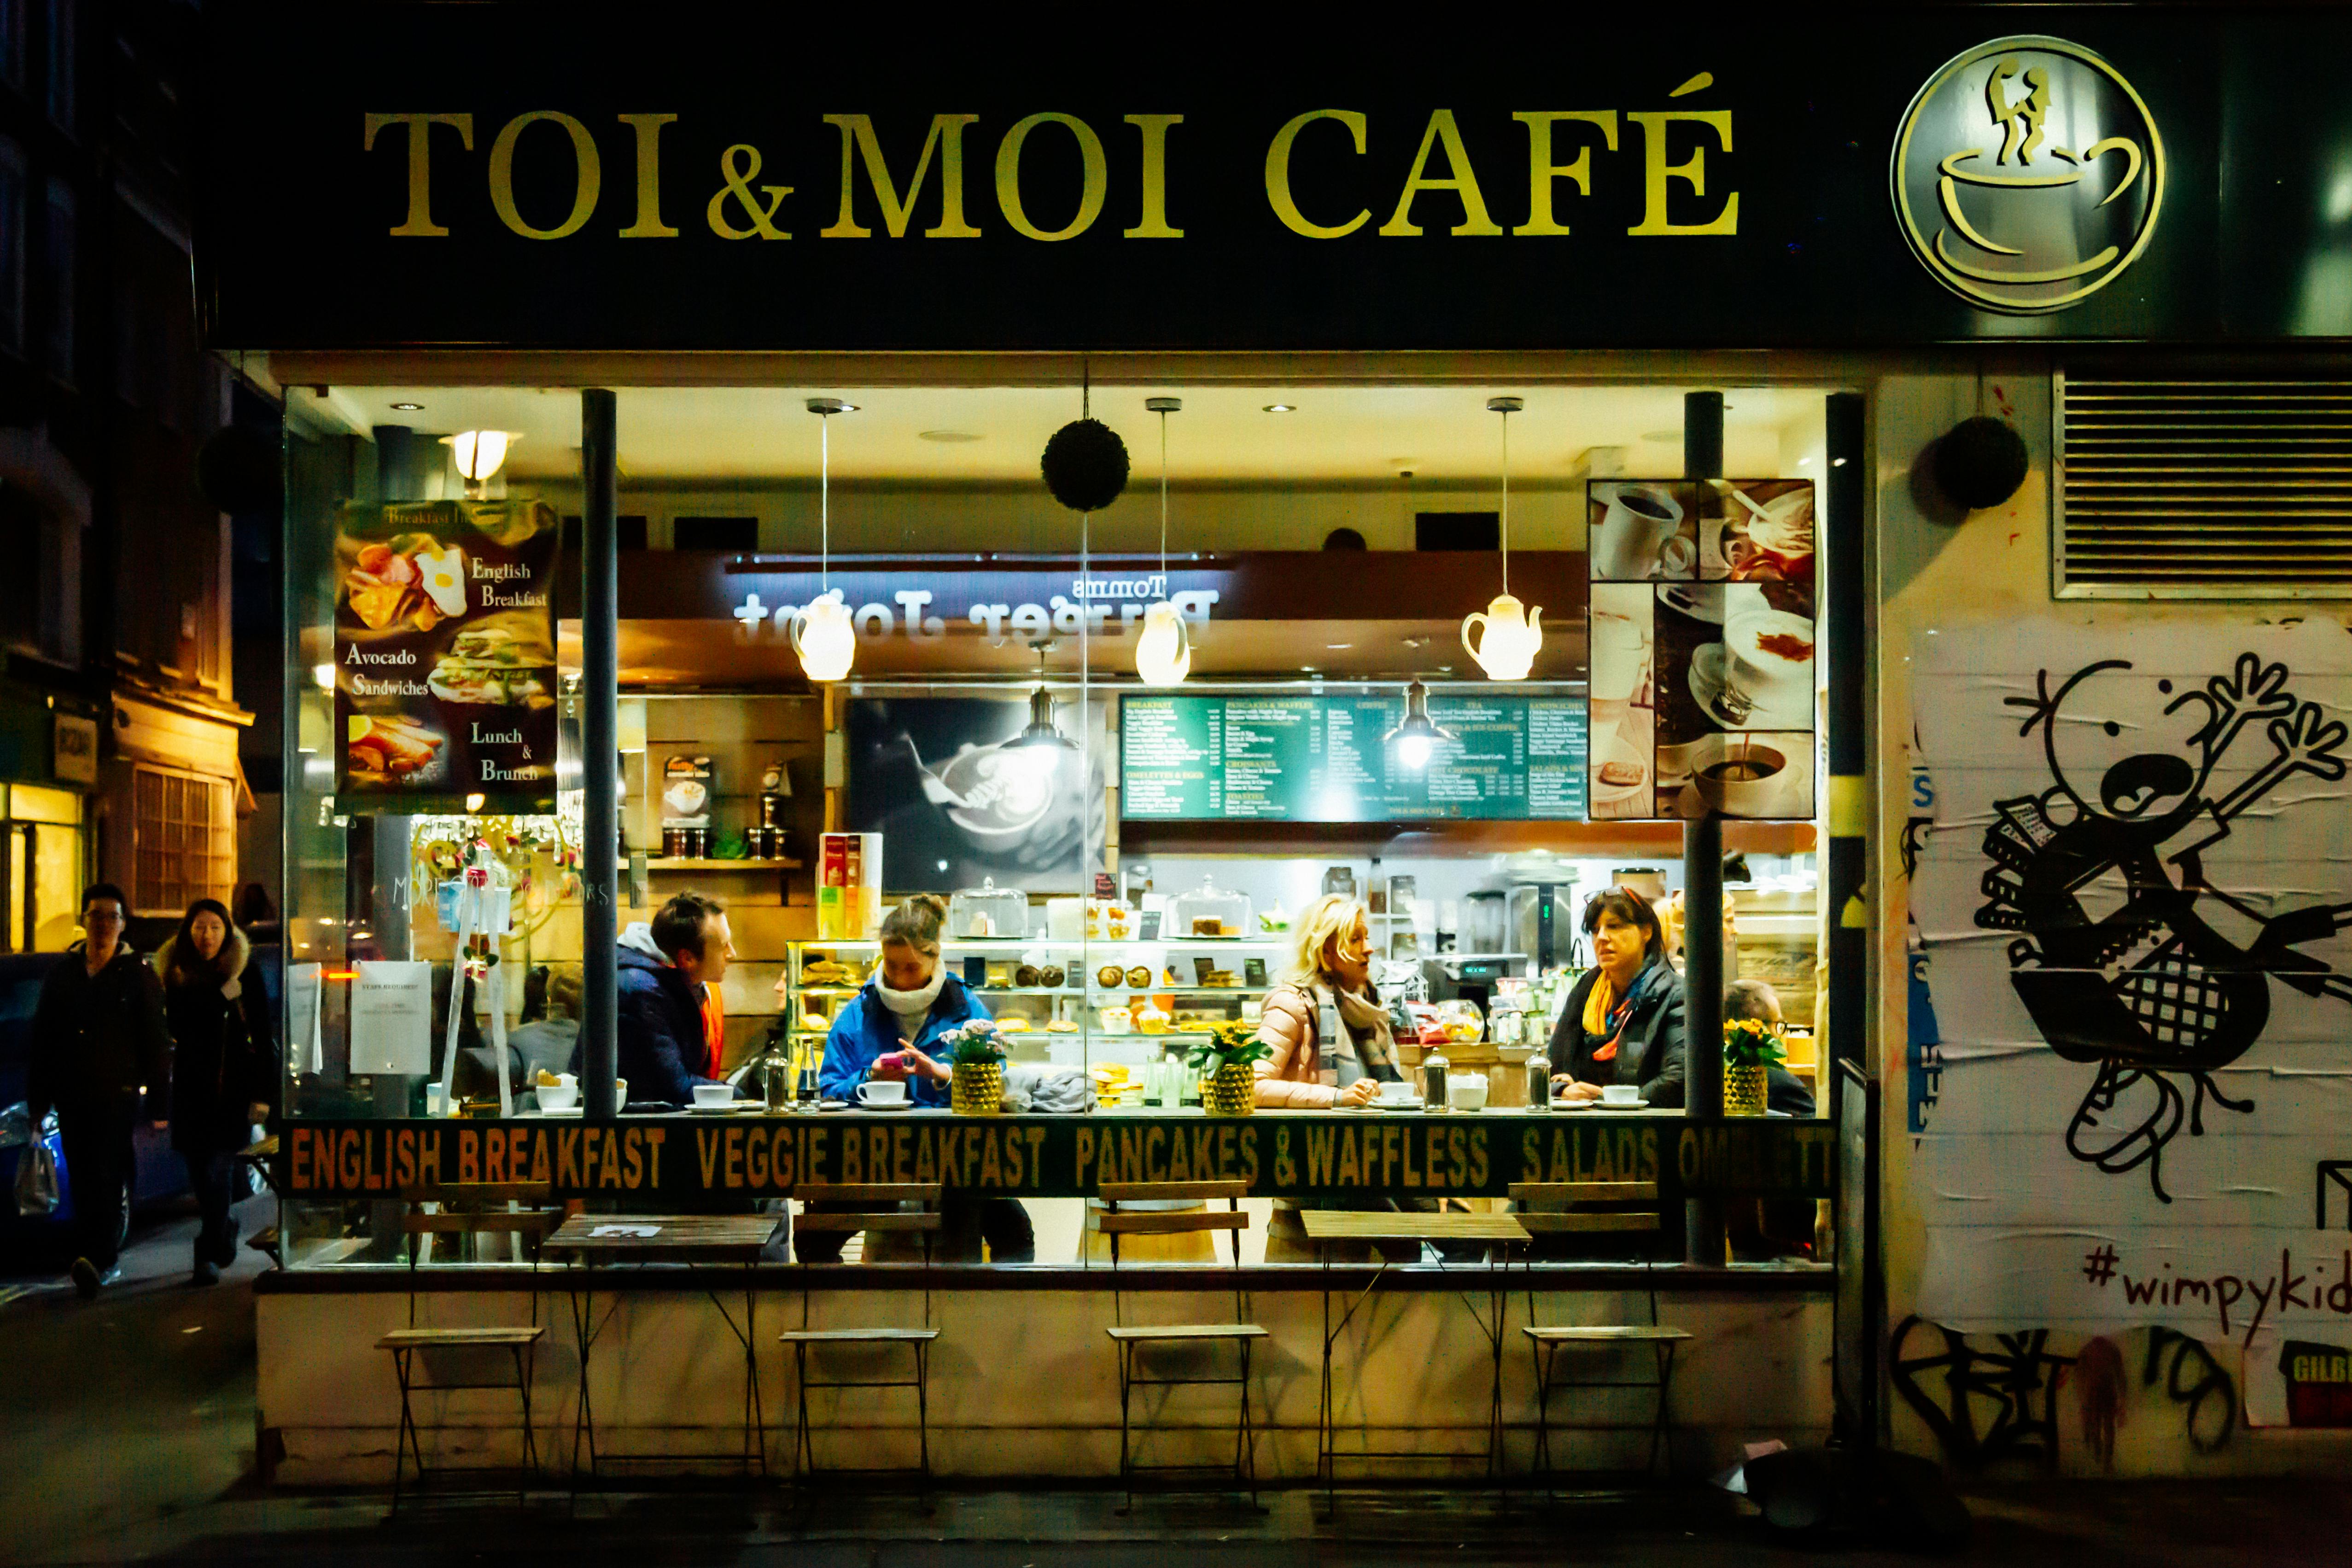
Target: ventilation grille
[2211,489]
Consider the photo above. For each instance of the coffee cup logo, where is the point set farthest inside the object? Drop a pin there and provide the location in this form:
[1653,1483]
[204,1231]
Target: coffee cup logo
[2027,175]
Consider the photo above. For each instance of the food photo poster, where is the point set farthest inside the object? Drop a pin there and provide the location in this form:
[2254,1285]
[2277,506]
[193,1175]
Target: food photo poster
[444,652]
[1702,638]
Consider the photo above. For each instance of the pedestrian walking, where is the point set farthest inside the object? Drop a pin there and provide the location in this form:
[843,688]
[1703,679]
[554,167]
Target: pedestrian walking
[223,1067]
[98,1047]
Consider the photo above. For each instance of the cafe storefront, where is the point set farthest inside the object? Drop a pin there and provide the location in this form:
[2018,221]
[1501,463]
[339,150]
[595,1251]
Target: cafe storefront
[1063,493]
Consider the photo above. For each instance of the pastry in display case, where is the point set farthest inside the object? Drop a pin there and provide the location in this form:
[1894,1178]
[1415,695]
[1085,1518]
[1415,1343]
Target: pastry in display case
[988,910]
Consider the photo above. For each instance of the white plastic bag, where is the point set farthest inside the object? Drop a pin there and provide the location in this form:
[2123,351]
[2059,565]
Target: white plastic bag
[36,1180]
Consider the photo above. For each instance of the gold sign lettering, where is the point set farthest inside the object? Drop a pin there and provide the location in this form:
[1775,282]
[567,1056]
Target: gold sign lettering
[1277,176]
[1094,187]
[649,224]
[738,167]
[588,178]
[1153,225]
[1460,180]
[1542,171]
[857,137]
[419,221]
[1656,171]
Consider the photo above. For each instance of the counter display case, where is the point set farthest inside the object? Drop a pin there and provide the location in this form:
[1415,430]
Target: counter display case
[1074,1003]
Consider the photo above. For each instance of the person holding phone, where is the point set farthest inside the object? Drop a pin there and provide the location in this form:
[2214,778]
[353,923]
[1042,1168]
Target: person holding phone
[889,1033]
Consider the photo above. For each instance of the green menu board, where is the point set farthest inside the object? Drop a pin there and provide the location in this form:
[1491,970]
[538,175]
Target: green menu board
[1320,760]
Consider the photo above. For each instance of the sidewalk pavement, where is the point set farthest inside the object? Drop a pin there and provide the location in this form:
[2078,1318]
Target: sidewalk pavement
[130,1431]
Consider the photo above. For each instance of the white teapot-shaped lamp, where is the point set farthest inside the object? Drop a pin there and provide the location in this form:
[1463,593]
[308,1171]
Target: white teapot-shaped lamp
[1507,645]
[1164,653]
[823,638]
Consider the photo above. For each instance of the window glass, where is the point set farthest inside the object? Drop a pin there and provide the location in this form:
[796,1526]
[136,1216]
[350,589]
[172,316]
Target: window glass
[185,840]
[11,244]
[12,42]
[58,267]
[61,75]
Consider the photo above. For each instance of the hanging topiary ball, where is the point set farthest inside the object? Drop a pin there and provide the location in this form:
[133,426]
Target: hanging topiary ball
[1084,465]
[1981,462]
[237,468]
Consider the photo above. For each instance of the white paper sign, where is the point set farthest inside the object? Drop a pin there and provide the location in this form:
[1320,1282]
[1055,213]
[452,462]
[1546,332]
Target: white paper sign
[307,1052]
[392,1017]
[2136,896]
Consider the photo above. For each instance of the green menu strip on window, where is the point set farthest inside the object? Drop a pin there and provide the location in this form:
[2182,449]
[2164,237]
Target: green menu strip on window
[1321,759]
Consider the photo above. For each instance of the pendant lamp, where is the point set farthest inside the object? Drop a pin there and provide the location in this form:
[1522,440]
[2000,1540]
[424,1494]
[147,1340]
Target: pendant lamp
[1511,633]
[1164,653]
[1042,745]
[480,452]
[822,634]
[1416,735]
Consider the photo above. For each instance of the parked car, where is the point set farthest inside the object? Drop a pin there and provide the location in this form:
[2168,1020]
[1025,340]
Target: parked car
[158,1172]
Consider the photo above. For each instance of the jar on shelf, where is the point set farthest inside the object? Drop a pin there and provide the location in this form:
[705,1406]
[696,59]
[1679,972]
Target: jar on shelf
[1208,911]
[987,911]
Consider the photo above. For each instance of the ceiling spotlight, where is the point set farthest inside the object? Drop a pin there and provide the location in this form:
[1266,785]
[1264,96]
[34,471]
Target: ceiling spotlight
[1282,408]
[1416,735]
[408,407]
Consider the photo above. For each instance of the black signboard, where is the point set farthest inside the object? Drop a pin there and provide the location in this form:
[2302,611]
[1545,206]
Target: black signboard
[732,177]
[1322,760]
[681,1158]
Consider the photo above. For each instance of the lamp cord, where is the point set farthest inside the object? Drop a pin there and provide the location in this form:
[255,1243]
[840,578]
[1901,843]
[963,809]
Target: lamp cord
[1163,503]
[1507,501]
[824,503]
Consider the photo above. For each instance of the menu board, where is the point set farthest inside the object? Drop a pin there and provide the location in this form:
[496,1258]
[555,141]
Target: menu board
[444,652]
[1702,632]
[1321,759]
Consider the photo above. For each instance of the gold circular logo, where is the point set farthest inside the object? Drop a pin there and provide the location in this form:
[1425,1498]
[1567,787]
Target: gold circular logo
[2027,175]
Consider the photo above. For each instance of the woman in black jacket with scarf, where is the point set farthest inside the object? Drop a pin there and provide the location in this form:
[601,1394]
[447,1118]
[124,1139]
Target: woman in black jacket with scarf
[1623,1022]
[224,1066]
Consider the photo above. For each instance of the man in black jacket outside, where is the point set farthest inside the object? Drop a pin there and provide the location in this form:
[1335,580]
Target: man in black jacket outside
[99,1042]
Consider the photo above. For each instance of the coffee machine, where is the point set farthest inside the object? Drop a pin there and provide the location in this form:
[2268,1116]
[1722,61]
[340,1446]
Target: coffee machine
[1470,976]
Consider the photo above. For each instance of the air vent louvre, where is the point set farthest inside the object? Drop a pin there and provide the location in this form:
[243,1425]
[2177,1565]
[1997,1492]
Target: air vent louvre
[2204,488]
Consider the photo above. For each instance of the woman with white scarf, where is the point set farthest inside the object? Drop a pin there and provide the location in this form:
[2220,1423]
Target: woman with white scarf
[890,1032]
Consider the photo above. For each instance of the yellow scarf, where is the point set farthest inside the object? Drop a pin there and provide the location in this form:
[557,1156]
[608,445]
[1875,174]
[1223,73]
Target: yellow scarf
[1596,1003]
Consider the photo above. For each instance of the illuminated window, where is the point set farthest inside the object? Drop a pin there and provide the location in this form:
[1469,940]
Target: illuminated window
[184,840]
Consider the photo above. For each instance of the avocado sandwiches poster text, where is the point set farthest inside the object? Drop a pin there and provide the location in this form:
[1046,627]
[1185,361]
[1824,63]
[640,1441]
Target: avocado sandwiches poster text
[444,652]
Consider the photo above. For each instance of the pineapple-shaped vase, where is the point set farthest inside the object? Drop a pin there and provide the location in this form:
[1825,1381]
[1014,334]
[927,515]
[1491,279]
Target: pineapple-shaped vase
[1230,1090]
[978,1089]
[1743,1089]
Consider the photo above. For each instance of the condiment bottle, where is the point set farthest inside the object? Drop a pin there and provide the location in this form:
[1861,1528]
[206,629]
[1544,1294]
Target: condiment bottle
[1432,1081]
[1539,1083]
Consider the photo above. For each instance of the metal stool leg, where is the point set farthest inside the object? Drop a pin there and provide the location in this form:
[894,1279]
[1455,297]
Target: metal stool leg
[1126,1388]
[407,1432]
[923,1416]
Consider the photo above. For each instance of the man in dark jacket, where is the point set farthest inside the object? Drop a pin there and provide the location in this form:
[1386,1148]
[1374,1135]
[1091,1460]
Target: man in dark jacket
[669,969]
[98,1043]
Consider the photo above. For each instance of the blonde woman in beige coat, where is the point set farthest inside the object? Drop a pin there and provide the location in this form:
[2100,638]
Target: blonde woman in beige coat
[1328,982]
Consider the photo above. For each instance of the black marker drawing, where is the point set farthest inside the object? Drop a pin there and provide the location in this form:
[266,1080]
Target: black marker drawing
[1995,1403]
[2337,1174]
[2122,960]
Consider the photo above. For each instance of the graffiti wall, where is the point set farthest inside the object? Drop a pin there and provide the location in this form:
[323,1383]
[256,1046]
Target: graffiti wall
[2132,907]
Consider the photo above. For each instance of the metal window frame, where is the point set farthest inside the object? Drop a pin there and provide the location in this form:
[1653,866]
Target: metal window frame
[2061,588]
[139,828]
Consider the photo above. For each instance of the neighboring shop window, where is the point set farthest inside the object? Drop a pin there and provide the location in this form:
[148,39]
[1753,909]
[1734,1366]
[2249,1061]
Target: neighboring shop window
[12,42]
[185,839]
[58,268]
[11,244]
[62,62]
[41,870]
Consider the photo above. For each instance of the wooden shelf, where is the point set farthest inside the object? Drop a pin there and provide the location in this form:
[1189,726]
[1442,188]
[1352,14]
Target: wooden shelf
[667,862]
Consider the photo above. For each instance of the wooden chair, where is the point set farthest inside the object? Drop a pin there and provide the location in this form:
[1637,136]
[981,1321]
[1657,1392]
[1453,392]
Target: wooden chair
[1546,1341]
[473,1208]
[885,1216]
[1132,1340]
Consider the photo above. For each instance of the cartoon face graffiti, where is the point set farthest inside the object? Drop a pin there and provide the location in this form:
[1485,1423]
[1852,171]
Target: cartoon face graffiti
[2119,960]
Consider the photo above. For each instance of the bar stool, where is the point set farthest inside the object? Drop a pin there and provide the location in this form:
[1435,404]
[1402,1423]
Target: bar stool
[1546,1341]
[1130,1340]
[887,1217]
[412,1345]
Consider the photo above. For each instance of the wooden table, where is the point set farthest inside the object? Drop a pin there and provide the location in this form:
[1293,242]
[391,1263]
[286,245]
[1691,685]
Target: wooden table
[598,1240]
[1326,1227]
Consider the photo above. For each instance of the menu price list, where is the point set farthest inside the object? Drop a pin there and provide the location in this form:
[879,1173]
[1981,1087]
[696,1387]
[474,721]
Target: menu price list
[1321,759]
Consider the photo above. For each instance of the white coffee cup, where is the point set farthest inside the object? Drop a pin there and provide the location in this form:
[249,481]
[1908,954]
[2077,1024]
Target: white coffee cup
[1396,1092]
[1621,1094]
[1638,520]
[713,1096]
[1769,667]
[882,1091]
[1739,775]
[561,1095]
[1465,1091]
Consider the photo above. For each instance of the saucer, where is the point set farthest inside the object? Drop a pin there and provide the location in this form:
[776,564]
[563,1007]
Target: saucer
[1601,1105]
[567,1111]
[863,1105]
[1707,685]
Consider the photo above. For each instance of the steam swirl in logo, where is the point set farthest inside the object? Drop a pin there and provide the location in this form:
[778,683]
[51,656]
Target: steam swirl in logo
[2027,175]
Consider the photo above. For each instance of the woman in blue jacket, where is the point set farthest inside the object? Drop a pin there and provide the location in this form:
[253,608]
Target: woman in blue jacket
[890,1033]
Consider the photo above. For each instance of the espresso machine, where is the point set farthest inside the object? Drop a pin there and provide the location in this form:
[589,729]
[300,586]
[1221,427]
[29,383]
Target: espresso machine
[1470,976]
